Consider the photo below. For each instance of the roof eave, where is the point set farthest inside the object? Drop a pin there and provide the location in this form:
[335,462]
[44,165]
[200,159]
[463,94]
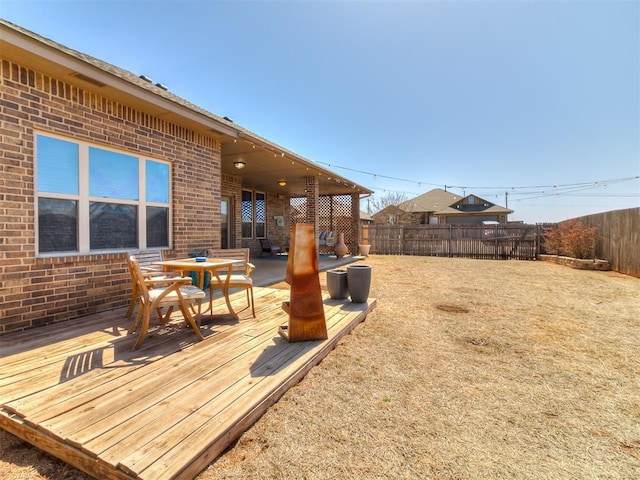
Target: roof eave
[65,59]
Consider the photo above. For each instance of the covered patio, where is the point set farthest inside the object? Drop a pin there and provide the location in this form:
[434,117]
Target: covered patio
[295,190]
[271,270]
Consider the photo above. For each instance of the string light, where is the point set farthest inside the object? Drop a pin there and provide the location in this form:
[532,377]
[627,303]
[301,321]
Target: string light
[500,188]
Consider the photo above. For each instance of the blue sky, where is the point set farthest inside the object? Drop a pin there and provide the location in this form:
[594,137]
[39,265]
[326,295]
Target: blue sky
[540,99]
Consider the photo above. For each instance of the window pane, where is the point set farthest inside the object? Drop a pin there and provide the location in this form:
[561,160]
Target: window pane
[247,214]
[261,215]
[57,225]
[112,226]
[157,227]
[57,166]
[224,223]
[112,175]
[157,182]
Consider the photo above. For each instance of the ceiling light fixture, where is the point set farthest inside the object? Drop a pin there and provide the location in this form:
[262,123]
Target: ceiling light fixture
[239,165]
[282,183]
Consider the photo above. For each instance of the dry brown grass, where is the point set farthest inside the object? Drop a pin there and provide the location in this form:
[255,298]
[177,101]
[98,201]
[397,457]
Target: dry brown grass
[467,369]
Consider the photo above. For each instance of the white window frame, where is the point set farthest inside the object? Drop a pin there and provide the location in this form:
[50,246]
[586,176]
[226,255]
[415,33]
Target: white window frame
[84,200]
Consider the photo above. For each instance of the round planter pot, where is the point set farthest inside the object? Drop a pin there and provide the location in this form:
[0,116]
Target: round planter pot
[337,284]
[359,282]
[364,250]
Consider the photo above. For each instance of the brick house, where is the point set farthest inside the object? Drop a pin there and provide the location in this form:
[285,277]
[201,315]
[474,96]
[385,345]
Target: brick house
[438,207]
[394,215]
[472,210]
[97,161]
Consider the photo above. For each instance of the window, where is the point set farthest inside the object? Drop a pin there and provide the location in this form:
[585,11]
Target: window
[254,214]
[57,225]
[471,201]
[93,199]
[247,214]
[261,215]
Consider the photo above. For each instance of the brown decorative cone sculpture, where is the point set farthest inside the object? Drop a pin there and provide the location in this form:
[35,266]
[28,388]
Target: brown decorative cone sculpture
[340,248]
[305,306]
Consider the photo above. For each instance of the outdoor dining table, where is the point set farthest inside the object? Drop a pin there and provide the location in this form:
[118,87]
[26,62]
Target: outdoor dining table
[211,265]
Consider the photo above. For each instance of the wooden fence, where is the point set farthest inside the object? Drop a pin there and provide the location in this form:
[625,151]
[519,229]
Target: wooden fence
[619,238]
[505,242]
[618,230]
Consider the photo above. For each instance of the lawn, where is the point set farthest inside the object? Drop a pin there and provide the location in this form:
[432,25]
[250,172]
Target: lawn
[467,369]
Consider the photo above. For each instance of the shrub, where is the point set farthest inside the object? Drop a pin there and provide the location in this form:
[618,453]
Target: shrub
[552,242]
[573,239]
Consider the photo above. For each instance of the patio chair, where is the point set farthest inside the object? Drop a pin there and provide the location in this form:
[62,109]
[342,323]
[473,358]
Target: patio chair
[326,241]
[145,261]
[240,273]
[268,247]
[176,292]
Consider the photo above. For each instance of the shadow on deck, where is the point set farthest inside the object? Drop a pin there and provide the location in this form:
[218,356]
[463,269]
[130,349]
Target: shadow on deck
[78,392]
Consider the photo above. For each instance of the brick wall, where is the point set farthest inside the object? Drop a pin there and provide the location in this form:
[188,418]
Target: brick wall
[38,291]
[277,204]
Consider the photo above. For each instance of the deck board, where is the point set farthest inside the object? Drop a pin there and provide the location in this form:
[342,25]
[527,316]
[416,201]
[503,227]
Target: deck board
[168,409]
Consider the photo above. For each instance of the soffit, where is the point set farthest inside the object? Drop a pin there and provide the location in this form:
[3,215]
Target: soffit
[266,165]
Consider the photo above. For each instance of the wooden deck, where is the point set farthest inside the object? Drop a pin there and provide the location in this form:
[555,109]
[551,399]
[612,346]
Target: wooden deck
[168,409]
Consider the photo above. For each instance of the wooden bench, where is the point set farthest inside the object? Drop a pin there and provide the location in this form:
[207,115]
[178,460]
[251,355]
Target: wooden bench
[326,241]
[147,258]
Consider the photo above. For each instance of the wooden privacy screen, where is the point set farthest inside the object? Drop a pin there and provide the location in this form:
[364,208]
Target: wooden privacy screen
[305,307]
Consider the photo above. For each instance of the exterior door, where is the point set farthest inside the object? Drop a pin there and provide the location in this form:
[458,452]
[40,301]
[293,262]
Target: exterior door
[226,223]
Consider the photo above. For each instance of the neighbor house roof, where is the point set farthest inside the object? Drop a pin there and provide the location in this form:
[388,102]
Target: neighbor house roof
[480,206]
[441,202]
[431,201]
[454,211]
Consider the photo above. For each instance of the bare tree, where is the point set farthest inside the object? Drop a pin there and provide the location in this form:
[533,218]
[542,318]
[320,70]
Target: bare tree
[386,207]
[380,202]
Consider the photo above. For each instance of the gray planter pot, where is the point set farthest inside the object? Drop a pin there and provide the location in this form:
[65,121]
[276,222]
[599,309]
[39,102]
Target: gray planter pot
[337,284]
[359,282]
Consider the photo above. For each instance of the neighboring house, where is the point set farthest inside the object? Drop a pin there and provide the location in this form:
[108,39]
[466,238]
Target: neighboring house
[393,215]
[437,207]
[423,208]
[365,218]
[472,210]
[97,161]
